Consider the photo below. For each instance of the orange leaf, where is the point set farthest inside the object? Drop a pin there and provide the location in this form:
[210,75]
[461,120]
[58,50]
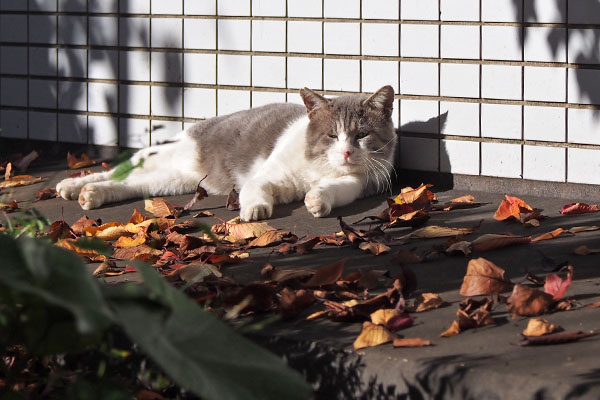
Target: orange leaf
[492,241]
[484,278]
[550,235]
[556,286]
[77,163]
[19,180]
[161,208]
[428,301]
[539,327]
[125,241]
[327,275]
[418,196]
[511,207]
[137,217]
[579,208]
[411,342]
[372,335]
[528,301]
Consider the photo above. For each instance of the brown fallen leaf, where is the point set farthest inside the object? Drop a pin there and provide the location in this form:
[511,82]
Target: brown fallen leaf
[512,207]
[588,228]
[267,238]
[492,241]
[293,302]
[126,241]
[351,234]
[593,305]
[246,230]
[555,338]
[427,301]
[375,248]
[77,163]
[89,255]
[23,163]
[370,279]
[467,201]
[327,275]
[130,253]
[198,195]
[233,200]
[255,297]
[579,208]
[550,235]
[162,208]
[413,218]
[539,327]
[19,180]
[556,286]
[204,213]
[307,245]
[435,231]
[463,247]
[484,278]
[471,314]
[583,250]
[45,194]
[107,267]
[527,301]
[372,335]
[9,207]
[59,230]
[407,257]
[194,272]
[420,196]
[286,275]
[411,342]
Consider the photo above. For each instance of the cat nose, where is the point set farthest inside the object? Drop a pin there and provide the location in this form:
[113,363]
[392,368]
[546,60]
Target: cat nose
[347,154]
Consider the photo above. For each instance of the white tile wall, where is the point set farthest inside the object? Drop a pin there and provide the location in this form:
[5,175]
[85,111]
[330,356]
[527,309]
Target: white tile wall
[584,86]
[72,62]
[419,116]
[41,5]
[134,99]
[342,75]
[501,160]
[103,130]
[380,39]
[13,60]
[419,153]
[72,128]
[103,64]
[166,101]
[545,84]
[544,123]
[500,10]
[72,96]
[584,47]
[459,10]
[544,163]
[233,70]
[233,7]
[166,32]
[584,126]
[268,36]
[229,101]
[42,93]
[583,166]
[459,80]
[380,9]
[161,131]
[135,65]
[341,38]
[460,119]
[166,7]
[72,29]
[419,10]
[501,121]
[199,103]
[305,37]
[501,43]
[501,82]
[165,67]
[200,68]
[419,78]
[545,44]
[233,34]
[459,157]
[42,29]
[103,31]
[305,8]
[376,74]
[102,97]
[460,41]
[134,132]
[42,126]
[304,72]
[263,98]
[136,6]
[419,40]
[14,92]
[546,11]
[42,61]
[341,8]
[13,28]
[103,6]
[135,32]
[268,71]
[272,8]
[14,124]
[584,12]
[199,33]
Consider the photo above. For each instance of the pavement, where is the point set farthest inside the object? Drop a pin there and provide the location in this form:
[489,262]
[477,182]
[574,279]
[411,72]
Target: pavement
[482,363]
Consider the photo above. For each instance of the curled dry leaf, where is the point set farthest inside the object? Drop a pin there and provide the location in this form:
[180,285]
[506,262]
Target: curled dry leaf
[195,272]
[372,335]
[550,235]
[492,241]
[45,194]
[527,301]
[351,234]
[370,280]
[408,257]
[484,278]
[307,245]
[382,316]
[420,196]
[512,207]
[198,195]
[466,201]
[588,228]
[583,250]
[19,180]
[9,207]
[556,286]
[434,231]
[579,208]
[411,342]
[267,239]
[107,267]
[555,338]
[233,200]
[539,327]
[204,213]
[427,301]
[77,163]
[89,255]
[84,222]
[471,314]
[413,218]
[248,230]
[161,208]
[286,275]
[463,247]
[126,241]
[59,230]
[375,248]
[293,302]
[400,321]
[327,275]
[255,297]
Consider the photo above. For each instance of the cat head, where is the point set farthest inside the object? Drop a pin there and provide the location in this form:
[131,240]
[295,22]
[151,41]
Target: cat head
[352,133]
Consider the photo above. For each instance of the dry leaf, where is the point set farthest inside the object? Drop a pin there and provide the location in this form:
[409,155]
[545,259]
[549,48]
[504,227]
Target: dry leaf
[161,208]
[550,235]
[24,162]
[233,200]
[45,194]
[372,335]
[204,213]
[19,180]
[527,301]
[512,207]
[434,231]
[267,238]
[589,228]
[460,247]
[411,342]
[484,278]
[555,338]
[428,301]
[539,327]
[307,245]
[374,247]
[8,171]
[248,230]
[583,250]
[327,275]
[198,195]
[90,255]
[370,280]
[420,196]
[293,302]
[407,257]
[59,230]
[492,241]
[579,208]
[467,201]
[125,241]
[77,163]
[285,275]
[556,286]
[9,207]
[195,272]
[105,268]
[381,317]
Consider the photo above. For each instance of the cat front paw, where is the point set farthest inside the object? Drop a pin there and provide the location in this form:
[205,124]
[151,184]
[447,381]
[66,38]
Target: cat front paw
[255,212]
[317,204]
[91,197]
[68,188]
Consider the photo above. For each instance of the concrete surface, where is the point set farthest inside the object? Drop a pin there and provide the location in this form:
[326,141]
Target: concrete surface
[477,364]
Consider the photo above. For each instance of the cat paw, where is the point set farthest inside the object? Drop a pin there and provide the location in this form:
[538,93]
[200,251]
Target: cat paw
[255,212]
[316,204]
[68,189]
[90,197]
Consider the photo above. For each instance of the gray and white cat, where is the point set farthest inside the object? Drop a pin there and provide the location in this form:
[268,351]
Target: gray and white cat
[328,153]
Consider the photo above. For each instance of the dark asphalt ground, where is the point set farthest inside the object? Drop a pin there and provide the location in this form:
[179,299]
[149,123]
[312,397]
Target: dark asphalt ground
[482,363]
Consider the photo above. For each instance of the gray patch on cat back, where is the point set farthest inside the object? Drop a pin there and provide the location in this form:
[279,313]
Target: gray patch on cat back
[232,143]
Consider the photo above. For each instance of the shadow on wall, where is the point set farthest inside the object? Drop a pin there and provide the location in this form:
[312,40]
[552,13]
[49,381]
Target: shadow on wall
[74,96]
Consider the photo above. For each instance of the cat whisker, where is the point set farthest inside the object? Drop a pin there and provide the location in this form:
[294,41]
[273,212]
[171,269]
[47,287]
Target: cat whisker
[380,170]
[383,147]
[385,174]
[374,170]
[391,166]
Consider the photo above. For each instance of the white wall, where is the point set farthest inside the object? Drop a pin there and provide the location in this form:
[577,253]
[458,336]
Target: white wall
[506,88]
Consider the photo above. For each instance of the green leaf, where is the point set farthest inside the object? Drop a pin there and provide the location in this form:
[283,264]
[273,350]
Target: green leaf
[122,171]
[94,244]
[196,349]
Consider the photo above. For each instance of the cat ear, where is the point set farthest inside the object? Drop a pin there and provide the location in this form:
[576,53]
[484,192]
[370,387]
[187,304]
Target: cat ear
[312,100]
[383,99]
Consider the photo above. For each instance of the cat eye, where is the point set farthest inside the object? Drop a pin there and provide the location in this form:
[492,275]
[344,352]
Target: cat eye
[333,136]
[361,135]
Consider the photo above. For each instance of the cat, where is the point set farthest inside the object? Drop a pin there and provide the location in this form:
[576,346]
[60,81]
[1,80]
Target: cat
[329,153]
